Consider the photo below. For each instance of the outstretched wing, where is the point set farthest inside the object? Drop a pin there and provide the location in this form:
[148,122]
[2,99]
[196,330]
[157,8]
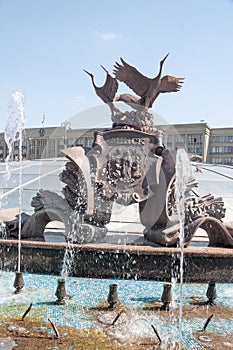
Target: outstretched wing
[110,87]
[129,75]
[170,84]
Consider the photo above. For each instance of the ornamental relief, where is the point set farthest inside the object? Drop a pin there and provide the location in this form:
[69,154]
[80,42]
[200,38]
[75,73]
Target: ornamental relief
[124,166]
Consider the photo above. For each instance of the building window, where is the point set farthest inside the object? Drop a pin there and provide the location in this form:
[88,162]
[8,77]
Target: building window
[195,149]
[217,149]
[51,148]
[228,149]
[168,138]
[216,160]
[179,138]
[228,138]
[228,161]
[70,142]
[51,143]
[217,139]
[41,143]
[194,139]
[79,141]
[89,142]
[61,142]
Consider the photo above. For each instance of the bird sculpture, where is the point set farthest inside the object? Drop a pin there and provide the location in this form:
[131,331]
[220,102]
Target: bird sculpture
[129,99]
[107,92]
[148,89]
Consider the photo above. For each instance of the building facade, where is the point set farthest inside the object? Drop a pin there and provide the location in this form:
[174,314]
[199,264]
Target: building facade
[210,145]
[47,142]
[194,138]
[221,146]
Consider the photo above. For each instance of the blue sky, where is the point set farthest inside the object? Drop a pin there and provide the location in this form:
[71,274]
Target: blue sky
[46,44]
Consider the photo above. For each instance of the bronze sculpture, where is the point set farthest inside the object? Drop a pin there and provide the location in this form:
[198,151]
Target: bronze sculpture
[127,164]
[148,89]
[107,92]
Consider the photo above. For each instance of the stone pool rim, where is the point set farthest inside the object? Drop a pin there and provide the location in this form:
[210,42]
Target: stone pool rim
[103,260]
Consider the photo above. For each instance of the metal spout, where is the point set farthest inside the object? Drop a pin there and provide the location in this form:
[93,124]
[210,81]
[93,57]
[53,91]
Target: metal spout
[166,296]
[19,282]
[61,292]
[211,293]
[112,295]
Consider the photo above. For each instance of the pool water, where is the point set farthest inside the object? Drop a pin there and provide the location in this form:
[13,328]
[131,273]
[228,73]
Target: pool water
[86,309]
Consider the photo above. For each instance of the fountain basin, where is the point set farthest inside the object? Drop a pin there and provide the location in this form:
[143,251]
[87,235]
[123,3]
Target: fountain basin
[87,311]
[201,264]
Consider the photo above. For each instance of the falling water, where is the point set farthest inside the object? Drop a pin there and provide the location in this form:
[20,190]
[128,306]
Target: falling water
[75,221]
[183,173]
[68,258]
[13,132]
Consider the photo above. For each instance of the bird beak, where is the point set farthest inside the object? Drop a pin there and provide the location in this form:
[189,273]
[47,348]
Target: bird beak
[165,58]
[87,72]
[104,68]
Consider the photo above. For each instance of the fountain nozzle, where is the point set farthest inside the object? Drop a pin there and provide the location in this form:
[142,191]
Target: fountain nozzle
[61,292]
[211,293]
[19,282]
[166,296]
[112,295]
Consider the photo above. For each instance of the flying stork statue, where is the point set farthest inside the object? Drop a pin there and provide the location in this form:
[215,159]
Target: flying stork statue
[107,92]
[146,88]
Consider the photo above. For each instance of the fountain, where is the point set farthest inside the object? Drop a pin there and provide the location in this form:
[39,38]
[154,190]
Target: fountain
[127,164]
[13,133]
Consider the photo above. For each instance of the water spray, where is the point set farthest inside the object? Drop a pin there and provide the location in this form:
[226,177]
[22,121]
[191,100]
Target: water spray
[13,132]
[183,173]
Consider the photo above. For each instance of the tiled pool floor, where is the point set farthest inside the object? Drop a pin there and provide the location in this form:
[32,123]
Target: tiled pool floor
[138,308]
